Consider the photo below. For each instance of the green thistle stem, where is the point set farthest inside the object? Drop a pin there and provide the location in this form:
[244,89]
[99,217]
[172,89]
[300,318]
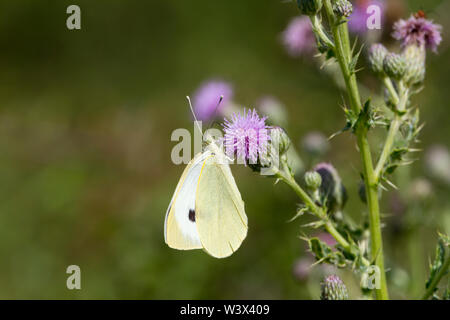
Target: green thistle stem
[343,55]
[388,84]
[318,29]
[303,195]
[444,269]
[393,129]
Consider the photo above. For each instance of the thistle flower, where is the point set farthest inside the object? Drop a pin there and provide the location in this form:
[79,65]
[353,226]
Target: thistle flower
[298,37]
[357,21]
[206,99]
[246,136]
[418,31]
[332,192]
[333,288]
[377,53]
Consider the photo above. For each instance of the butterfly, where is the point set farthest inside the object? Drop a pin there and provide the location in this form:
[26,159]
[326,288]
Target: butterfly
[206,211]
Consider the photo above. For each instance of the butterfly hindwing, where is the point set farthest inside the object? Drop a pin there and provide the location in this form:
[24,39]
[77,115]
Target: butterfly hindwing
[180,230]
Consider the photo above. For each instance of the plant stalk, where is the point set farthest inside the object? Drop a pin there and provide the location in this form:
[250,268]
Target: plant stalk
[303,195]
[400,104]
[343,55]
[442,272]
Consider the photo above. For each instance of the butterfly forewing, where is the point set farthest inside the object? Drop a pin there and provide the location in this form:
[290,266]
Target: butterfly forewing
[220,216]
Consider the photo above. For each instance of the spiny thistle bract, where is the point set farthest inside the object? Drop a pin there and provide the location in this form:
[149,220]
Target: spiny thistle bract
[333,288]
[394,65]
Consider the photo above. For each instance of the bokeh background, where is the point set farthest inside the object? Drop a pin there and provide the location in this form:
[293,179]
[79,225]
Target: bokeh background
[85,171]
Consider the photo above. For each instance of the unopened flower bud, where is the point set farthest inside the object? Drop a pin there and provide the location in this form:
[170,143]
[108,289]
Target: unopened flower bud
[394,65]
[279,139]
[377,53]
[313,180]
[309,7]
[343,8]
[415,64]
[333,288]
[332,192]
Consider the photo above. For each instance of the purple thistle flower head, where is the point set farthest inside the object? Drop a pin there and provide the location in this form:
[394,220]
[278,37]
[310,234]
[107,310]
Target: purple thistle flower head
[298,37]
[246,136]
[418,31]
[207,97]
[357,22]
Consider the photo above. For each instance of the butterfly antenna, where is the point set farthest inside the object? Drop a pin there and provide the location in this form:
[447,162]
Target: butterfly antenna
[193,113]
[215,111]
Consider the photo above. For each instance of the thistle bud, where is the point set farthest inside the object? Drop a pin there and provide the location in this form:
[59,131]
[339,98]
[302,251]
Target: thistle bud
[415,64]
[394,65]
[343,8]
[377,53]
[332,288]
[332,192]
[313,180]
[309,7]
[279,139]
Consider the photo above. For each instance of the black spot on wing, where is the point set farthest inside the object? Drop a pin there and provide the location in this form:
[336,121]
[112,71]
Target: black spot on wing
[191,215]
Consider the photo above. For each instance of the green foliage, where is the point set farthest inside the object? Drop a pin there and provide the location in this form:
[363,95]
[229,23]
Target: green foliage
[442,254]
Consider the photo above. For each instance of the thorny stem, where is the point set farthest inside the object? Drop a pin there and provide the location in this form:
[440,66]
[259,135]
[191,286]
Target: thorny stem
[400,105]
[343,55]
[318,29]
[435,282]
[303,195]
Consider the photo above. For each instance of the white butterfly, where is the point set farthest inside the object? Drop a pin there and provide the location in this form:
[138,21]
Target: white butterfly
[206,210]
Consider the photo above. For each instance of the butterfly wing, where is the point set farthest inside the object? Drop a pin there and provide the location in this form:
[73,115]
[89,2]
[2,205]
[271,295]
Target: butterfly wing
[220,215]
[180,229]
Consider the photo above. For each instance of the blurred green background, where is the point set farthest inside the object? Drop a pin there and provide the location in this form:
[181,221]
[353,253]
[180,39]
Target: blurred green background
[85,124]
